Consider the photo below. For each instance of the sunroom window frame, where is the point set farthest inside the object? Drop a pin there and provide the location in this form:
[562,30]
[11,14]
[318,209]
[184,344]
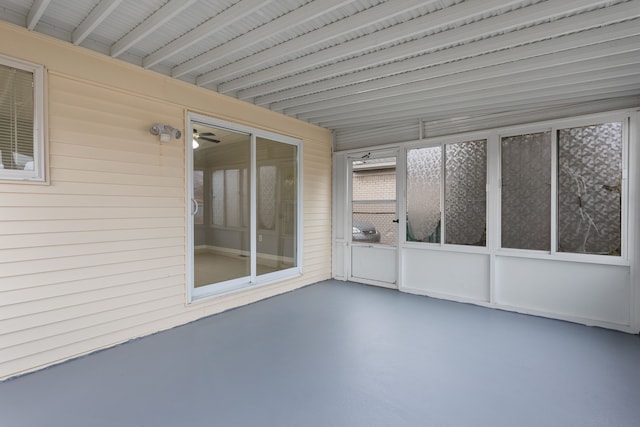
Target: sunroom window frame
[442,142]
[38,174]
[554,126]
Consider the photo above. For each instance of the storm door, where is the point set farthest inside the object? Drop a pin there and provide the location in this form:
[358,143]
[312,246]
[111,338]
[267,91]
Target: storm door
[374,219]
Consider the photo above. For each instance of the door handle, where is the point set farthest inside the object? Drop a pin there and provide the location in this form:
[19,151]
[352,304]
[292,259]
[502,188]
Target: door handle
[397,220]
[195,208]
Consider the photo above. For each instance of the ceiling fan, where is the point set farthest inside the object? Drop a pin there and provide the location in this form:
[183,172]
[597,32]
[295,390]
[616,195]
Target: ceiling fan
[204,136]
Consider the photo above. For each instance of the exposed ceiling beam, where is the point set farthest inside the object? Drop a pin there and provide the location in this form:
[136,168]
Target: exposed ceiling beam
[497,50]
[595,57]
[455,37]
[285,22]
[485,99]
[350,24]
[376,40]
[35,13]
[222,20]
[159,17]
[95,18]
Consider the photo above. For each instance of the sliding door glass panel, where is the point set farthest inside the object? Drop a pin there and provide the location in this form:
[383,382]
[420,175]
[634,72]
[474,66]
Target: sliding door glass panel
[466,193]
[233,197]
[222,242]
[424,167]
[526,191]
[198,197]
[590,189]
[277,195]
[217,197]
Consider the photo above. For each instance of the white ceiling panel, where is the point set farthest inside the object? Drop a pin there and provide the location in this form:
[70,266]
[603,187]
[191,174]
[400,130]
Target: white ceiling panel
[374,71]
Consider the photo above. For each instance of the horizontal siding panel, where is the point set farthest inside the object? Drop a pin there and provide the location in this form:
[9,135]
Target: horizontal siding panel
[56,212]
[117,179]
[67,200]
[171,169]
[101,224]
[167,315]
[94,271]
[19,296]
[139,141]
[108,155]
[52,252]
[83,261]
[165,297]
[81,189]
[78,92]
[64,309]
[78,237]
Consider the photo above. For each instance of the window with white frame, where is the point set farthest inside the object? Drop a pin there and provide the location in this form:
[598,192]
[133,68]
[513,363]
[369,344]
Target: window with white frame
[21,120]
[585,191]
[452,175]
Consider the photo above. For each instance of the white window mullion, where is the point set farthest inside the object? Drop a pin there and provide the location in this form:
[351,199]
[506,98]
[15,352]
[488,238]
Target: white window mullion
[554,190]
[443,184]
[624,190]
[253,228]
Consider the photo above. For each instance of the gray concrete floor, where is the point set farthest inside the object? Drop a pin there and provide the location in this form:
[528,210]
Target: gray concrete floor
[343,354]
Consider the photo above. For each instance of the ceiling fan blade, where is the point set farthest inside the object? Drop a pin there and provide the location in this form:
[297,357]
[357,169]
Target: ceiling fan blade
[204,138]
[207,134]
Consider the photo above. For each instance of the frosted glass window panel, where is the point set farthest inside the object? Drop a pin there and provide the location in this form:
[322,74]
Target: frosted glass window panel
[526,191]
[590,189]
[424,174]
[465,186]
[217,190]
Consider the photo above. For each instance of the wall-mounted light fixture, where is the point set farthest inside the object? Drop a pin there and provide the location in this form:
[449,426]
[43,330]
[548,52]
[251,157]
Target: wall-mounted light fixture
[165,132]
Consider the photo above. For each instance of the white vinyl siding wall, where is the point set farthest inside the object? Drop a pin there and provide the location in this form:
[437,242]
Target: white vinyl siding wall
[98,256]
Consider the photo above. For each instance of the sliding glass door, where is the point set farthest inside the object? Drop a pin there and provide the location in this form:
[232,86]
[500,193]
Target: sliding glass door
[244,187]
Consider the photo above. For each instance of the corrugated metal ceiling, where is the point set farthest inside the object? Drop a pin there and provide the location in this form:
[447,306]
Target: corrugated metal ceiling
[374,71]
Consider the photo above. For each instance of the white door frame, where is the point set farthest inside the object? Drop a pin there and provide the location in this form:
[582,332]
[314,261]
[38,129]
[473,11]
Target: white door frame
[377,253]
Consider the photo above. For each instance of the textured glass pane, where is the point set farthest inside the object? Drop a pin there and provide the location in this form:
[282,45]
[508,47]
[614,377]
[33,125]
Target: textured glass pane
[277,193]
[373,188]
[16,119]
[589,189]
[465,193]
[423,194]
[526,191]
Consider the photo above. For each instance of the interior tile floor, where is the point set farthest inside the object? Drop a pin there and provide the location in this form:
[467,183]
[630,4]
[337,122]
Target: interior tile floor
[344,354]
